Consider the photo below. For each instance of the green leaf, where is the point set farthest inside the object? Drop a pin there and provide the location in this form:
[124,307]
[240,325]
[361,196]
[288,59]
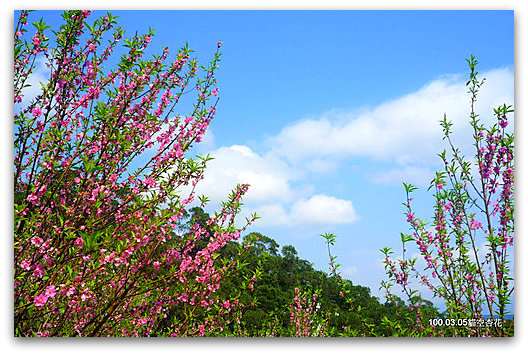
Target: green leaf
[406,238]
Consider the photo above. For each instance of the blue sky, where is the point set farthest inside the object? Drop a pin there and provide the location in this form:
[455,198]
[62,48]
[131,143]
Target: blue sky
[324,113]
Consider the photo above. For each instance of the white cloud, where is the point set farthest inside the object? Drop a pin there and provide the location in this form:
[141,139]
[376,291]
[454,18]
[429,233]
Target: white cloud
[404,134]
[272,215]
[323,209]
[415,175]
[318,210]
[349,272]
[404,131]
[271,193]
[321,166]
[207,143]
[269,178]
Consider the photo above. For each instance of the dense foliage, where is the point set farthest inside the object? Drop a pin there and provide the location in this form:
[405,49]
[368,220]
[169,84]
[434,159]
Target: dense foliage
[280,272]
[275,287]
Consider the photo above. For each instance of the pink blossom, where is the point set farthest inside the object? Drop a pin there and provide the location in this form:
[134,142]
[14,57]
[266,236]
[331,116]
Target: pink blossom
[50,291]
[79,242]
[39,271]
[149,182]
[36,112]
[70,291]
[85,295]
[26,265]
[41,300]
[475,224]
[448,206]
[36,241]
[36,39]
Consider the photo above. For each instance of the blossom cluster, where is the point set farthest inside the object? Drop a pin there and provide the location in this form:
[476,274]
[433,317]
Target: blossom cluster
[303,311]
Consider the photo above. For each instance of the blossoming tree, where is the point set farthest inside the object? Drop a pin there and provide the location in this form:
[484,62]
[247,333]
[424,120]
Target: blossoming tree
[474,206]
[100,167]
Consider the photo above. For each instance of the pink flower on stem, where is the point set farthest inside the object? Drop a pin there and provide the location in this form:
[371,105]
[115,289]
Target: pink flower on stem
[475,224]
[36,39]
[36,112]
[149,182]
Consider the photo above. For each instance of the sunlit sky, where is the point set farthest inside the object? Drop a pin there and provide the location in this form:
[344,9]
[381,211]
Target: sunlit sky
[325,113]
